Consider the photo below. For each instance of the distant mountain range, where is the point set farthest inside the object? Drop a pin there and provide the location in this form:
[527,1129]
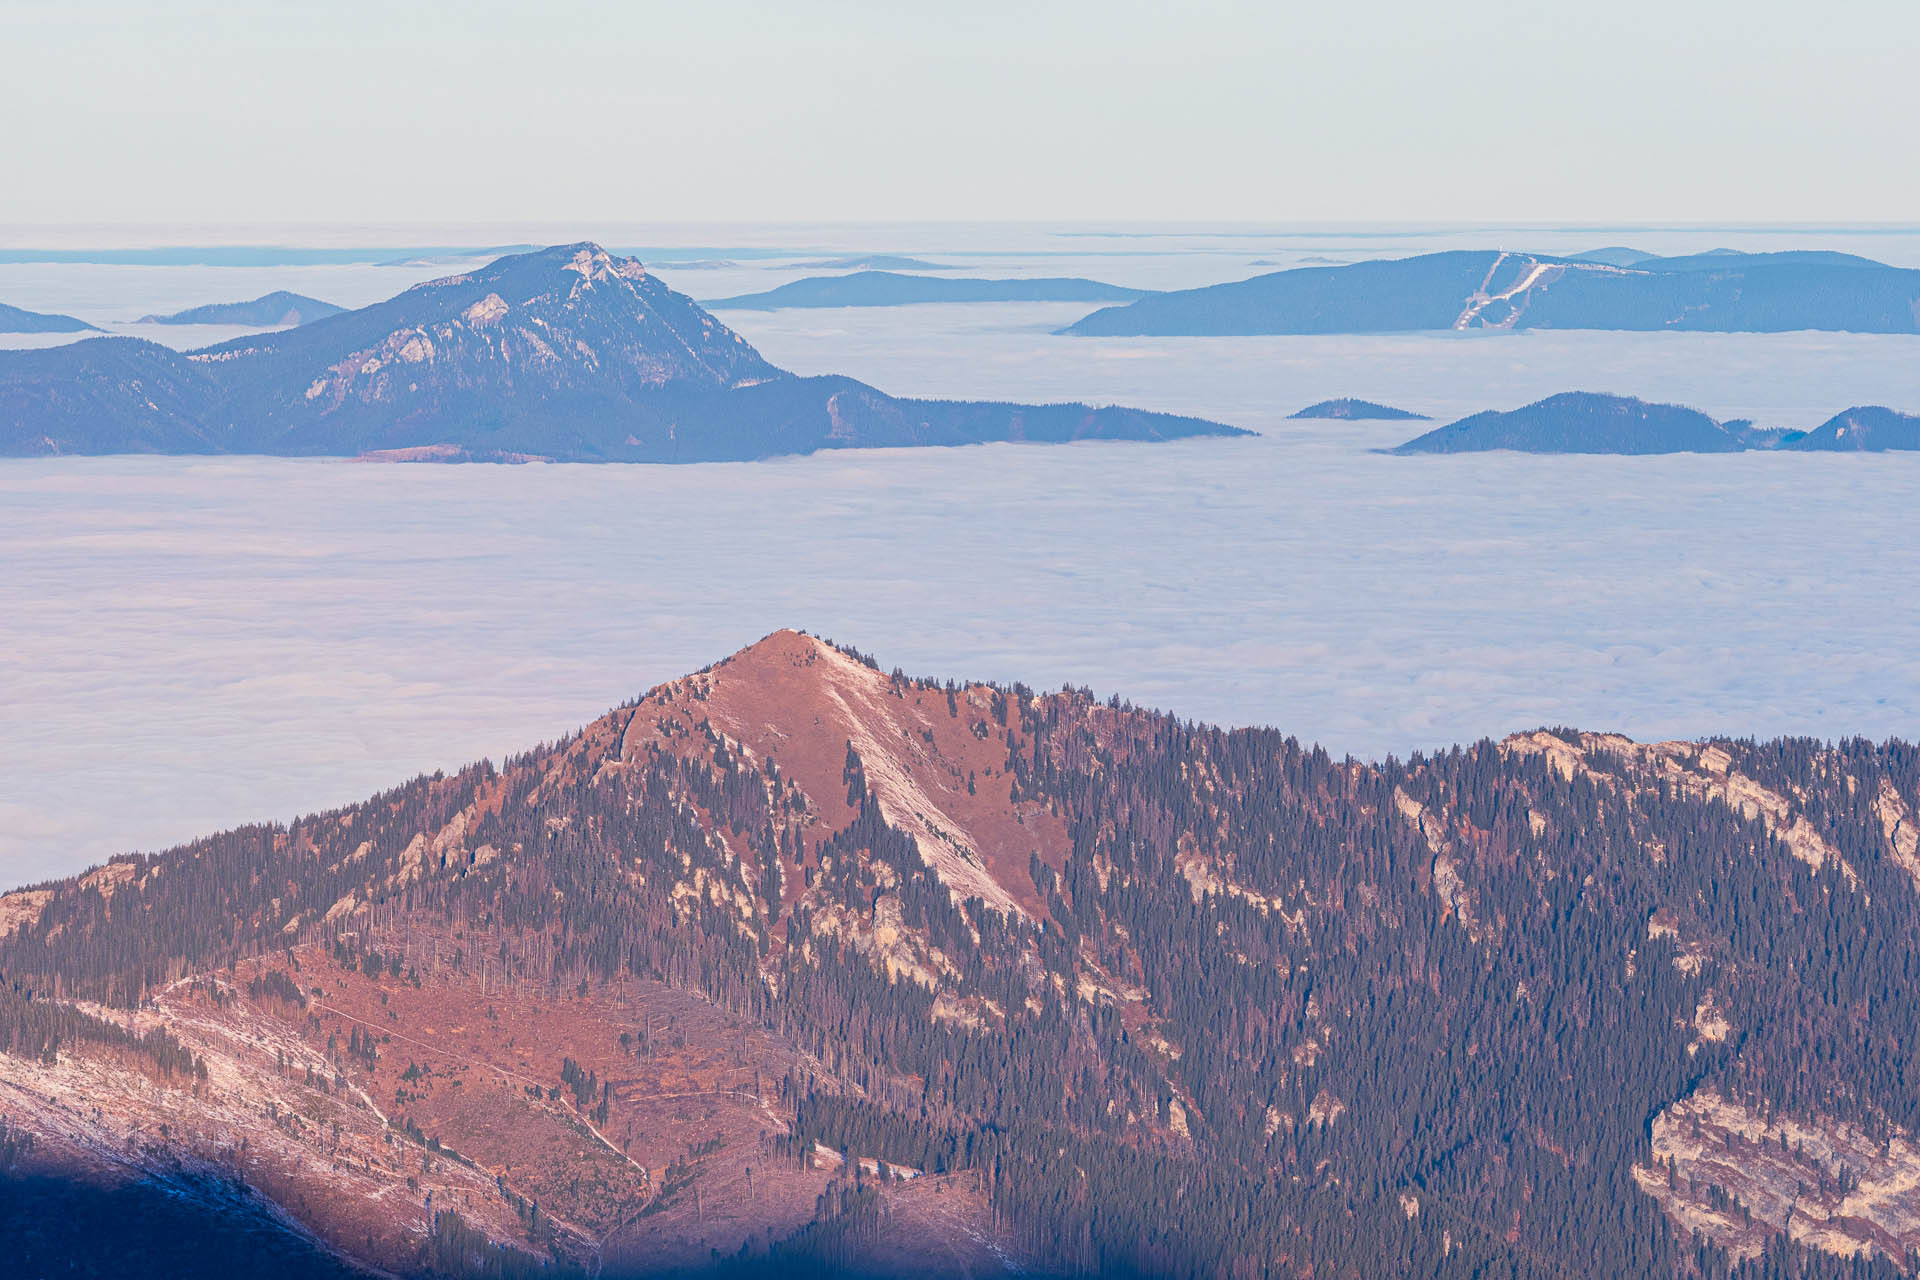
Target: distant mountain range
[1614,256]
[15,320]
[874,262]
[1581,422]
[1361,409]
[565,353]
[279,308]
[252,255]
[1588,422]
[890,289]
[1868,429]
[1722,292]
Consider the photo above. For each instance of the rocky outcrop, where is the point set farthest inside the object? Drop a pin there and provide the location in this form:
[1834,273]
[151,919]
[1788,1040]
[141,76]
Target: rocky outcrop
[794,899]
[1700,769]
[1737,1174]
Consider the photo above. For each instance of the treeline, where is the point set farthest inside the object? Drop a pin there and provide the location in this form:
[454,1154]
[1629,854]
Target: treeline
[1411,1018]
[33,1026]
[452,1248]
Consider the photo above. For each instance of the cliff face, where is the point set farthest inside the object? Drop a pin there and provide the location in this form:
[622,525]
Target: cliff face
[795,960]
[1739,1175]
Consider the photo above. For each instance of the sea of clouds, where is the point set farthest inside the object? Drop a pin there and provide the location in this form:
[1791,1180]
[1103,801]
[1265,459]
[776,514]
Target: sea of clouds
[186,644]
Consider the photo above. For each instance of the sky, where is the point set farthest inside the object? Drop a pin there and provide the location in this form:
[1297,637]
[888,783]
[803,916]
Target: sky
[851,110]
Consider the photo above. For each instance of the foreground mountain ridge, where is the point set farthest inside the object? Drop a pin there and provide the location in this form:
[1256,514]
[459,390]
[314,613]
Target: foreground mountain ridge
[566,353]
[793,963]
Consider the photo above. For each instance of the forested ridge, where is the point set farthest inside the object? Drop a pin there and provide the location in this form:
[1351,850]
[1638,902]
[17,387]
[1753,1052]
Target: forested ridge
[1238,1008]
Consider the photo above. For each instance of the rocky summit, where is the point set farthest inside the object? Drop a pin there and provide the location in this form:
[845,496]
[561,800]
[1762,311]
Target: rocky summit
[797,965]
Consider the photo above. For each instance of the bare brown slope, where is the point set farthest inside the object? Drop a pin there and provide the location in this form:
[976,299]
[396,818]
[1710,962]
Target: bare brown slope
[632,976]
[383,1062]
[803,703]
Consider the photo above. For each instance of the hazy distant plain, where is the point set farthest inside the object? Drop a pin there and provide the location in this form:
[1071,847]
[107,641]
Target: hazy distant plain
[189,644]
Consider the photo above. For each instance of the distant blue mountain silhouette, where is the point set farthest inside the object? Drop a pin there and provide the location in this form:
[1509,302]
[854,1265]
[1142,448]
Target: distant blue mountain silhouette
[1362,409]
[1864,429]
[15,320]
[874,262]
[1722,291]
[1589,422]
[277,308]
[1582,422]
[563,353]
[890,289]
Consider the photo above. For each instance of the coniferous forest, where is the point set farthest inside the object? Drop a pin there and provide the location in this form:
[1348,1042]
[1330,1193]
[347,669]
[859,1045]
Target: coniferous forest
[1244,1009]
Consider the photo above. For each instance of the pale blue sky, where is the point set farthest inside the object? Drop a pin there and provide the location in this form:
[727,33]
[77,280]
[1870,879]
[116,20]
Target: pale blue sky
[744,110]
